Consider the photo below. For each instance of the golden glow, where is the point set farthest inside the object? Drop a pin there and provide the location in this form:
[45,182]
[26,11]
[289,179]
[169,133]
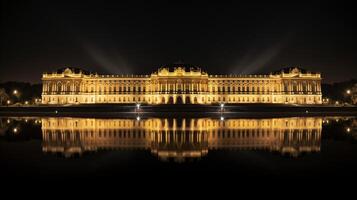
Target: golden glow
[326,100]
[181,87]
[15,92]
[181,138]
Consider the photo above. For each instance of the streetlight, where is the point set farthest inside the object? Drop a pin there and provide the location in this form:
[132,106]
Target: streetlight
[349,96]
[8,102]
[348,129]
[222,105]
[137,107]
[15,92]
[26,102]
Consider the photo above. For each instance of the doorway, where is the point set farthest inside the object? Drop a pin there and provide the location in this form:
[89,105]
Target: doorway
[188,100]
[179,100]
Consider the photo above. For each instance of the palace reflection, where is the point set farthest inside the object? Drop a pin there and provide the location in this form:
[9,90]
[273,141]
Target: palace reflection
[181,138]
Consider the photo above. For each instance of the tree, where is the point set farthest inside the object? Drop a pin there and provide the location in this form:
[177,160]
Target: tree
[353,93]
[3,96]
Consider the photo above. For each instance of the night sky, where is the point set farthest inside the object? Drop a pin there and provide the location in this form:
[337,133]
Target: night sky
[115,37]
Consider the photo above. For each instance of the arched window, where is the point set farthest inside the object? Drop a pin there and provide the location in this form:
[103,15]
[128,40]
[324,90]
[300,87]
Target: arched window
[286,87]
[77,87]
[50,87]
[68,87]
[313,86]
[304,87]
[295,88]
[59,87]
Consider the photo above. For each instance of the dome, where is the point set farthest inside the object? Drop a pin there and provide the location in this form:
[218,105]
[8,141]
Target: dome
[185,67]
[72,70]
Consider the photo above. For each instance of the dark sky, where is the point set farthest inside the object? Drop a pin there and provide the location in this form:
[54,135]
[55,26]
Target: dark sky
[137,37]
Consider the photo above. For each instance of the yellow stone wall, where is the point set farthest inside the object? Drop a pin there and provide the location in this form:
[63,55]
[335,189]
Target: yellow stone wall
[181,87]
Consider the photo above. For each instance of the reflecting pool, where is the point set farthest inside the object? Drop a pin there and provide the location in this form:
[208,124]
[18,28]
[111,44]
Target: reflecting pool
[100,147]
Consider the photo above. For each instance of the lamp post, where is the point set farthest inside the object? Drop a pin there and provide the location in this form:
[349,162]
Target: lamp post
[137,110]
[16,94]
[137,107]
[222,118]
[349,96]
[222,107]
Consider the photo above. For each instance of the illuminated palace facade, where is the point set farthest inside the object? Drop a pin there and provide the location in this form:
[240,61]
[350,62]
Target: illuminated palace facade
[181,138]
[181,85]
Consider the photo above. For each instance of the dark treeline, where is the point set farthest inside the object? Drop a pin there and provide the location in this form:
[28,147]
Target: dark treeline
[25,91]
[337,91]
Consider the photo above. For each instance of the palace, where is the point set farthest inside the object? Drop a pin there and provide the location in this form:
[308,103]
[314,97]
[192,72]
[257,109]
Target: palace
[181,84]
[181,138]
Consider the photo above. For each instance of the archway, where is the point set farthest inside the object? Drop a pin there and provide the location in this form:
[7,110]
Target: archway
[163,100]
[179,100]
[171,100]
[188,100]
[195,100]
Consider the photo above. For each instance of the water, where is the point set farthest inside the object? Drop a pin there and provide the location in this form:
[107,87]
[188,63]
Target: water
[62,148]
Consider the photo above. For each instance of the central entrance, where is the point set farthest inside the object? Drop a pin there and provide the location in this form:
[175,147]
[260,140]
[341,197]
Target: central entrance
[179,100]
[188,100]
[171,100]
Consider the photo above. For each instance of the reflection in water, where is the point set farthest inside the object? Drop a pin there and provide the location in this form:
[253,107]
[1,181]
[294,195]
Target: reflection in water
[181,138]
